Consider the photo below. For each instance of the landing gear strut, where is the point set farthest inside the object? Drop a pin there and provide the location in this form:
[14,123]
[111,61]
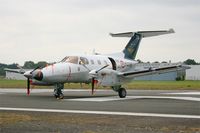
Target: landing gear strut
[58,91]
[121,91]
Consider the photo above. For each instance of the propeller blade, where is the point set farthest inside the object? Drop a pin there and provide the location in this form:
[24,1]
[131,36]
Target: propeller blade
[93,86]
[34,69]
[102,68]
[28,86]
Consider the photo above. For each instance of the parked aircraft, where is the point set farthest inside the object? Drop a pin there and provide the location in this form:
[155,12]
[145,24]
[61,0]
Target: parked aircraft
[111,70]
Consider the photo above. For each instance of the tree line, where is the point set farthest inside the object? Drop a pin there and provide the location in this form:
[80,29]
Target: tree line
[32,65]
[27,65]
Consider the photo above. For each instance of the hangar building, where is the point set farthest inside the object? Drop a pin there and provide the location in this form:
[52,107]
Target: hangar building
[193,73]
[14,74]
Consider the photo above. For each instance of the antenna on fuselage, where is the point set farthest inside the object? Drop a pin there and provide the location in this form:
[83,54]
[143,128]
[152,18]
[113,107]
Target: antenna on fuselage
[94,52]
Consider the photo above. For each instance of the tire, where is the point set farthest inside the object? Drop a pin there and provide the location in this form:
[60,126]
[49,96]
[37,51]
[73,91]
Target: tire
[56,96]
[122,93]
[61,96]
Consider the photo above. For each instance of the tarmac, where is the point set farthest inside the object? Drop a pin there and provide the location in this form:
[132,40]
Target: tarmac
[141,111]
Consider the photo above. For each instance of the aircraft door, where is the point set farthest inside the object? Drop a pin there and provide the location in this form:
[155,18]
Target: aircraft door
[113,63]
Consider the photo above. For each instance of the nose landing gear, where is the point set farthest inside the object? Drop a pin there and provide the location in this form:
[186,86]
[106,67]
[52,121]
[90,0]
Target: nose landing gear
[58,91]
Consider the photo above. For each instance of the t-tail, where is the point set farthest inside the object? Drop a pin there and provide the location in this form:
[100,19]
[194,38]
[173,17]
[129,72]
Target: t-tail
[131,48]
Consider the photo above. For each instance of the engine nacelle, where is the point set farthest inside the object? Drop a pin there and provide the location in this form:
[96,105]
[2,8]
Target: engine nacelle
[39,83]
[108,77]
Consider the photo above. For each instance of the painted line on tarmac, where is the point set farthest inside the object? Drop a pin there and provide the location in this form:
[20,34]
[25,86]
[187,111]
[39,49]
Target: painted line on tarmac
[184,93]
[116,98]
[10,90]
[103,113]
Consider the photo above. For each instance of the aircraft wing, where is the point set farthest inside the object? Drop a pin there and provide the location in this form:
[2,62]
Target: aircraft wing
[109,77]
[21,71]
[152,71]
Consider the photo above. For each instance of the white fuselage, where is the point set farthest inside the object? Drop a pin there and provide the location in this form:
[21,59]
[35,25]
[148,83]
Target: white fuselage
[76,68]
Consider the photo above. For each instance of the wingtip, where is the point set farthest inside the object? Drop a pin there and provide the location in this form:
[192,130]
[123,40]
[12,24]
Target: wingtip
[171,30]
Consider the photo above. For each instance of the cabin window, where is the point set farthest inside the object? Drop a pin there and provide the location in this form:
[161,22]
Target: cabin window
[83,60]
[105,62]
[99,62]
[92,62]
[71,59]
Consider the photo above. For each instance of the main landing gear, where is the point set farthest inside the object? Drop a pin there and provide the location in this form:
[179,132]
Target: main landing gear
[58,91]
[121,91]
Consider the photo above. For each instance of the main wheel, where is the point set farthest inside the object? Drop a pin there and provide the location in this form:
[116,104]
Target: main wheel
[59,96]
[58,93]
[122,93]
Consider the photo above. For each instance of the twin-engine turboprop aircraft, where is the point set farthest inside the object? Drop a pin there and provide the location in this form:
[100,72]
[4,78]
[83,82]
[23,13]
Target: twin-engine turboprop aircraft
[106,70]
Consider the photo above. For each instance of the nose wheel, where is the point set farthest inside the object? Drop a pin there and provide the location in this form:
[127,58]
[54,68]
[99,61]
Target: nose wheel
[58,91]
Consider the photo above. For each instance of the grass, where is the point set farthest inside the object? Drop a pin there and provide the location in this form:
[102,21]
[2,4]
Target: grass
[12,118]
[87,123]
[166,85]
[161,85]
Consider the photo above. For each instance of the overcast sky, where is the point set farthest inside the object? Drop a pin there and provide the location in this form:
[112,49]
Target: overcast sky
[48,30]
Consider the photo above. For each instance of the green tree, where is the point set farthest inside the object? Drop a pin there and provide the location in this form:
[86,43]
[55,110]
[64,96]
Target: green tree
[41,64]
[29,65]
[190,62]
[3,66]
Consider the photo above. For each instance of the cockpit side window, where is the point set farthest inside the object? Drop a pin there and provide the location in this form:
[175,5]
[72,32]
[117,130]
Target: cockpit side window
[71,59]
[83,60]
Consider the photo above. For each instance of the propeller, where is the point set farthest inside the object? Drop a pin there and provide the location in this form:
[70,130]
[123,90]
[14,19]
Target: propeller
[93,74]
[34,69]
[29,75]
[28,86]
[102,68]
[93,81]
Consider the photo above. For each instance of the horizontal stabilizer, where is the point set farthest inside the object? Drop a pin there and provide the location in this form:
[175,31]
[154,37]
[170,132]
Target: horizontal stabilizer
[143,33]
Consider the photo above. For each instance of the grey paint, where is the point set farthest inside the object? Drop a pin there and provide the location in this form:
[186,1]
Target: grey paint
[193,73]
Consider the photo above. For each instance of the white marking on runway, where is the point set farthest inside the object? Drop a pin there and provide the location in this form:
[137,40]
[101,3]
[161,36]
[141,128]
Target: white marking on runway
[11,90]
[116,98]
[103,113]
[185,93]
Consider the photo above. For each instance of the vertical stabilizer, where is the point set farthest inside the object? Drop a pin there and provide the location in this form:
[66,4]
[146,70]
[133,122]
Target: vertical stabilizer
[131,48]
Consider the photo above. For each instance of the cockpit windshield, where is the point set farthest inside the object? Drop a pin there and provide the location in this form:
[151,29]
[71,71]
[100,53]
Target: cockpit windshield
[71,59]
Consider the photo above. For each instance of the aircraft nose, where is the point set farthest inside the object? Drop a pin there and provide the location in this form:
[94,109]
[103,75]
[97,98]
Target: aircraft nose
[38,75]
